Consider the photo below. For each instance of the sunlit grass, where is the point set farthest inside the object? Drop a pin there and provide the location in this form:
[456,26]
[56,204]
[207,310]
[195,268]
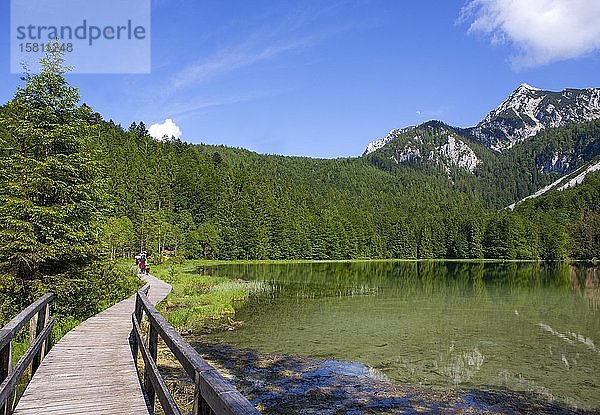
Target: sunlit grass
[199,300]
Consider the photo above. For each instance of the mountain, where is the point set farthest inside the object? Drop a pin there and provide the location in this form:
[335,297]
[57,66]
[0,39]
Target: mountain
[430,191]
[529,110]
[433,143]
[443,154]
[543,136]
[526,112]
[392,135]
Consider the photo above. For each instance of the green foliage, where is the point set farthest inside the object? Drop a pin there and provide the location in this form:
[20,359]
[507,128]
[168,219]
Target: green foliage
[51,193]
[52,203]
[77,190]
[118,236]
[9,298]
[223,203]
[538,161]
[508,236]
[500,178]
[567,221]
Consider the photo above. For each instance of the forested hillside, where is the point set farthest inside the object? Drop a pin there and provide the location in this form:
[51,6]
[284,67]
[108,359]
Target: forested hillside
[226,203]
[531,165]
[216,202]
[568,220]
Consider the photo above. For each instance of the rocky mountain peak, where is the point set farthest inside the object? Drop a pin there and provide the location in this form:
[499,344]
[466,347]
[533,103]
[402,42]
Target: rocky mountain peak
[377,144]
[433,142]
[527,87]
[528,110]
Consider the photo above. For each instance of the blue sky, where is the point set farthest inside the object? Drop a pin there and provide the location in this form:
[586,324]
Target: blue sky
[323,79]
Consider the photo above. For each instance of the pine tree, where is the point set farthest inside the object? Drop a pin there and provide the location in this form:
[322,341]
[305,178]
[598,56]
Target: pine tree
[50,192]
[425,248]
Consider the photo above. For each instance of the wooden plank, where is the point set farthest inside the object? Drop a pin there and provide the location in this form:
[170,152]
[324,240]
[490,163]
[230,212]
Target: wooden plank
[91,369]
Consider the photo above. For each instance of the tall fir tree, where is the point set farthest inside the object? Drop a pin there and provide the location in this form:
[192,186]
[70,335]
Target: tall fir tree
[51,191]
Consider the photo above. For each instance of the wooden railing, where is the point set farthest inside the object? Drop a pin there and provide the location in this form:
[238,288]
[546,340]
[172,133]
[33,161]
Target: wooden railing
[213,395]
[40,327]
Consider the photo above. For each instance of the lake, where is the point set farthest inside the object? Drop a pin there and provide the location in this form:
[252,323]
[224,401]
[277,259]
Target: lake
[530,327]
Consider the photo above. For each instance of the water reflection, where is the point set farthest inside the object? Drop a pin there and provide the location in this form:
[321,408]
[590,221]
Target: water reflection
[411,278]
[592,287]
[528,327]
[585,280]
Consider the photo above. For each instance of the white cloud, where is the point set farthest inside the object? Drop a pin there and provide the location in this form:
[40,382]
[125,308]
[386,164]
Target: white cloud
[167,128]
[543,31]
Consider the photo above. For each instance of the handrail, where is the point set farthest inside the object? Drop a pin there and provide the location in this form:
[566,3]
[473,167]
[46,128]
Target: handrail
[38,316]
[213,394]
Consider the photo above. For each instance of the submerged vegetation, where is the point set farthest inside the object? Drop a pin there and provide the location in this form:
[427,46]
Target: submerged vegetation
[293,385]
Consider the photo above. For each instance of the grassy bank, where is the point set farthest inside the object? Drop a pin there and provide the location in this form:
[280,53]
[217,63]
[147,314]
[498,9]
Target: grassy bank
[201,302]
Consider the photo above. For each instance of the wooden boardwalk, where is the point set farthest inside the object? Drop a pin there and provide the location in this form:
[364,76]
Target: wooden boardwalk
[91,369]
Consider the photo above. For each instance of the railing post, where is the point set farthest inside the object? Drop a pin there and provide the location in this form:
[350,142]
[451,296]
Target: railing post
[33,328]
[5,361]
[137,314]
[10,404]
[48,340]
[138,308]
[5,369]
[42,320]
[200,405]
[152,348]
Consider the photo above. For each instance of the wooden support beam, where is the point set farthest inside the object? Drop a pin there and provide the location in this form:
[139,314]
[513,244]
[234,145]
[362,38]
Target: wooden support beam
[41,319]
[5,368]
[152,351]
[213,393]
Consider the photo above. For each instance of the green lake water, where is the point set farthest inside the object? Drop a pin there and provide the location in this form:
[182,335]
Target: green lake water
[531,327]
